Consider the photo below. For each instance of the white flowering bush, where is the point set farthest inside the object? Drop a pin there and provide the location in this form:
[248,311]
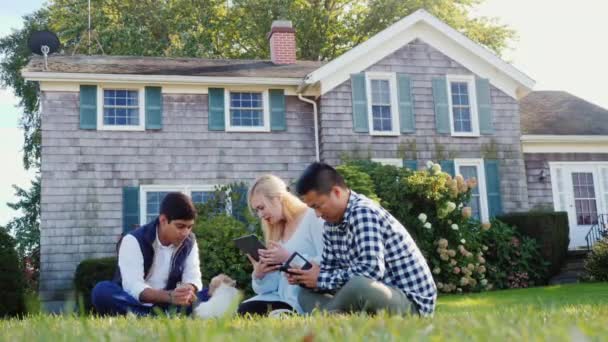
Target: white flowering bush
[433,207]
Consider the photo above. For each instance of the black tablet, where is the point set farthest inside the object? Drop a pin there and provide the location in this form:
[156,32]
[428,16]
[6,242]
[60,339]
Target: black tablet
[296,260]
[249,245]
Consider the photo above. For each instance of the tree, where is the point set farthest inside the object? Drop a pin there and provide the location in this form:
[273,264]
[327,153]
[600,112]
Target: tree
[207,28]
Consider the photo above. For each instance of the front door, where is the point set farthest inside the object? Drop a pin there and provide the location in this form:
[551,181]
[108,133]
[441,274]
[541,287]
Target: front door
[580,190]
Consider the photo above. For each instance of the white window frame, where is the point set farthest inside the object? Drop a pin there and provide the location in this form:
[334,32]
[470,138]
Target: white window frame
[481,183]
[185,189]
[398,162]
[265,105]
[141,102]
[392,82]
[470,80]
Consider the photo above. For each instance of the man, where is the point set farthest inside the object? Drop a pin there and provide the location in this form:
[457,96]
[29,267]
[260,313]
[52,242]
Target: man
[369,263]
[158,265]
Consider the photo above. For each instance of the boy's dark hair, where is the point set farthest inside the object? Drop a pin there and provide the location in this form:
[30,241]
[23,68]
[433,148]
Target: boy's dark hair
[319,177]
[177,206]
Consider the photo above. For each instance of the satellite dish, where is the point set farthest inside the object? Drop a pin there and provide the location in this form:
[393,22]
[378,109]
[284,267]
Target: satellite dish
[43,43]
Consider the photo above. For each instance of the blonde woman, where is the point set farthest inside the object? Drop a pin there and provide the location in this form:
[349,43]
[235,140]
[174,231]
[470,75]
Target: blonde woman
[289,226]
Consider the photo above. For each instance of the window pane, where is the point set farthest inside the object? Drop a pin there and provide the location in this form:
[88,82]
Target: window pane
[380,92]
[153,201]
[200,197]
[381,116]
[246,109]
[120,107]
[469,172]
[461,108]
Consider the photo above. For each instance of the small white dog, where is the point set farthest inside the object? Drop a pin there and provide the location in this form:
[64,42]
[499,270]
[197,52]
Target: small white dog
[224,296]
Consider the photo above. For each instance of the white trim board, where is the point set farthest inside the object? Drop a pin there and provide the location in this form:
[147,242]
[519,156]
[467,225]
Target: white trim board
[426,27]
[564,144]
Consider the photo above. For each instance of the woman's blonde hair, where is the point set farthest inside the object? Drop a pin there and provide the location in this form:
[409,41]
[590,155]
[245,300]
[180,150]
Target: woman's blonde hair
[271,186]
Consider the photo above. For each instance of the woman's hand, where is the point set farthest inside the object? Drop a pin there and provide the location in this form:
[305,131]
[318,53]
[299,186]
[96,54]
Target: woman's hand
[275,254]
[260,269]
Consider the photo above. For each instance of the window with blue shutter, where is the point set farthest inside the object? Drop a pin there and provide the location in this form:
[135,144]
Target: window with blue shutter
[410,164]
[359,103]
[278,121]
[447,166]
[216,109]
[130,209]
[484,106]
[154,107]
[440,101]
[88,107]
[493,187]
[406,104]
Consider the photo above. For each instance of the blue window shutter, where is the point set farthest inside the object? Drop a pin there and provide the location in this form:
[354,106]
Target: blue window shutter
[410,164]
[484,106]
[406,104]
[360,119]
[440,99]
[447,166]
[493,187]
[216,109]
[88,107]
[130,208]
[278,121]
[154,108]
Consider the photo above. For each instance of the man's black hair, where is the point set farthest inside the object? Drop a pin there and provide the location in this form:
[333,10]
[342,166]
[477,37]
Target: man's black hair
[177,206]
[319,177]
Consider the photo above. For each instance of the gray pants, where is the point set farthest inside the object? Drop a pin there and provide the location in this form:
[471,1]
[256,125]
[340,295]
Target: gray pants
[359,294]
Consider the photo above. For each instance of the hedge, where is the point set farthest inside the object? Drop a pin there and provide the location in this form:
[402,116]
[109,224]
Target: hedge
[549,229]
[12,283]
[88,273]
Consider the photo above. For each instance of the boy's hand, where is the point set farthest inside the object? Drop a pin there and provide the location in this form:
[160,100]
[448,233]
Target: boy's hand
[306,278]
[184,295]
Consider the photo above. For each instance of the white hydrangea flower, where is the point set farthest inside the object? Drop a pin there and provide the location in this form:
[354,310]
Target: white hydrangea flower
[436,168]
[463,241]
[455,226]
[427,225]
[484,282]
[451,206]
[429,164]
[422,217]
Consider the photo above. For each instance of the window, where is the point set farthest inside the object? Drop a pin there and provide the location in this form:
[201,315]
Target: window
[247,111]
[473,168]
[463,106]
[151,196]
[382,103]
[122,109]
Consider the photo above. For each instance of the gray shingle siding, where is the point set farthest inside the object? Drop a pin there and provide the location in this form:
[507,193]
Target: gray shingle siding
[422,62]
[83,172]
[540,194]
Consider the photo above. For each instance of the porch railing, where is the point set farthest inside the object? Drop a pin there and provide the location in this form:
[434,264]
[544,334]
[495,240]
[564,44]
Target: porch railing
[597,231]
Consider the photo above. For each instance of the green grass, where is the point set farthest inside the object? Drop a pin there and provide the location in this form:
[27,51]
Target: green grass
[557,313]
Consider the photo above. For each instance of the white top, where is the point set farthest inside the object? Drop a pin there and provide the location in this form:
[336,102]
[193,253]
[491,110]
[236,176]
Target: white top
[131,264]
[306,240]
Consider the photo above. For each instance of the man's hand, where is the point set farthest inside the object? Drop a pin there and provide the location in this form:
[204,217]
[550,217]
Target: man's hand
[184,295]
[218,280]
[306,278]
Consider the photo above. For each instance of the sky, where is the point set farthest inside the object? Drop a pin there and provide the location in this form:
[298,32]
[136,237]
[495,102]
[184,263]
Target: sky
[559,46]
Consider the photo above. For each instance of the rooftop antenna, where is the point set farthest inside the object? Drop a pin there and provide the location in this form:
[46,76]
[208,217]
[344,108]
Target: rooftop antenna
[44,43]
[89,33]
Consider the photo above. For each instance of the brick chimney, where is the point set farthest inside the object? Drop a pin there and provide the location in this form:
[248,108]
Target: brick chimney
[282,37]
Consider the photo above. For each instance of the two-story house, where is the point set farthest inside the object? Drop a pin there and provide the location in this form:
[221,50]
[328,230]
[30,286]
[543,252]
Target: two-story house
[120,132]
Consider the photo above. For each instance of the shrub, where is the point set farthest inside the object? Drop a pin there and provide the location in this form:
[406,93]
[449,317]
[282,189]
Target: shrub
[549,229]
[513,259]
[88,273]
[358,180]
[12,284]
[596,263]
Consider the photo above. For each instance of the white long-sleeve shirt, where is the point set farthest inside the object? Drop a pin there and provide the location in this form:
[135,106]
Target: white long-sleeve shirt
[131,264]
[308,241]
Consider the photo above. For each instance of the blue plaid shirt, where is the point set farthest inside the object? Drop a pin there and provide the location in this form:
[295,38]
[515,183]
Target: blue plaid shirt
[370,242]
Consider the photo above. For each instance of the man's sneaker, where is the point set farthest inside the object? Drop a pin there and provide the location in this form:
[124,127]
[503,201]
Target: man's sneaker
[280,313]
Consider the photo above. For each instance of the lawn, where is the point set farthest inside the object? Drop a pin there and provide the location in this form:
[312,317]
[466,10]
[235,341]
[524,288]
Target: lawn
[557,313]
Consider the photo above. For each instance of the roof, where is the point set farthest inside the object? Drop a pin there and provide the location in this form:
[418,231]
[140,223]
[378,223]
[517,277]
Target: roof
[561,113]
[428,28]
[126,65]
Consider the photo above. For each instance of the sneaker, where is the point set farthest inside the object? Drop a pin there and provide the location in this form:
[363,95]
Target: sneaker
[280,313]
